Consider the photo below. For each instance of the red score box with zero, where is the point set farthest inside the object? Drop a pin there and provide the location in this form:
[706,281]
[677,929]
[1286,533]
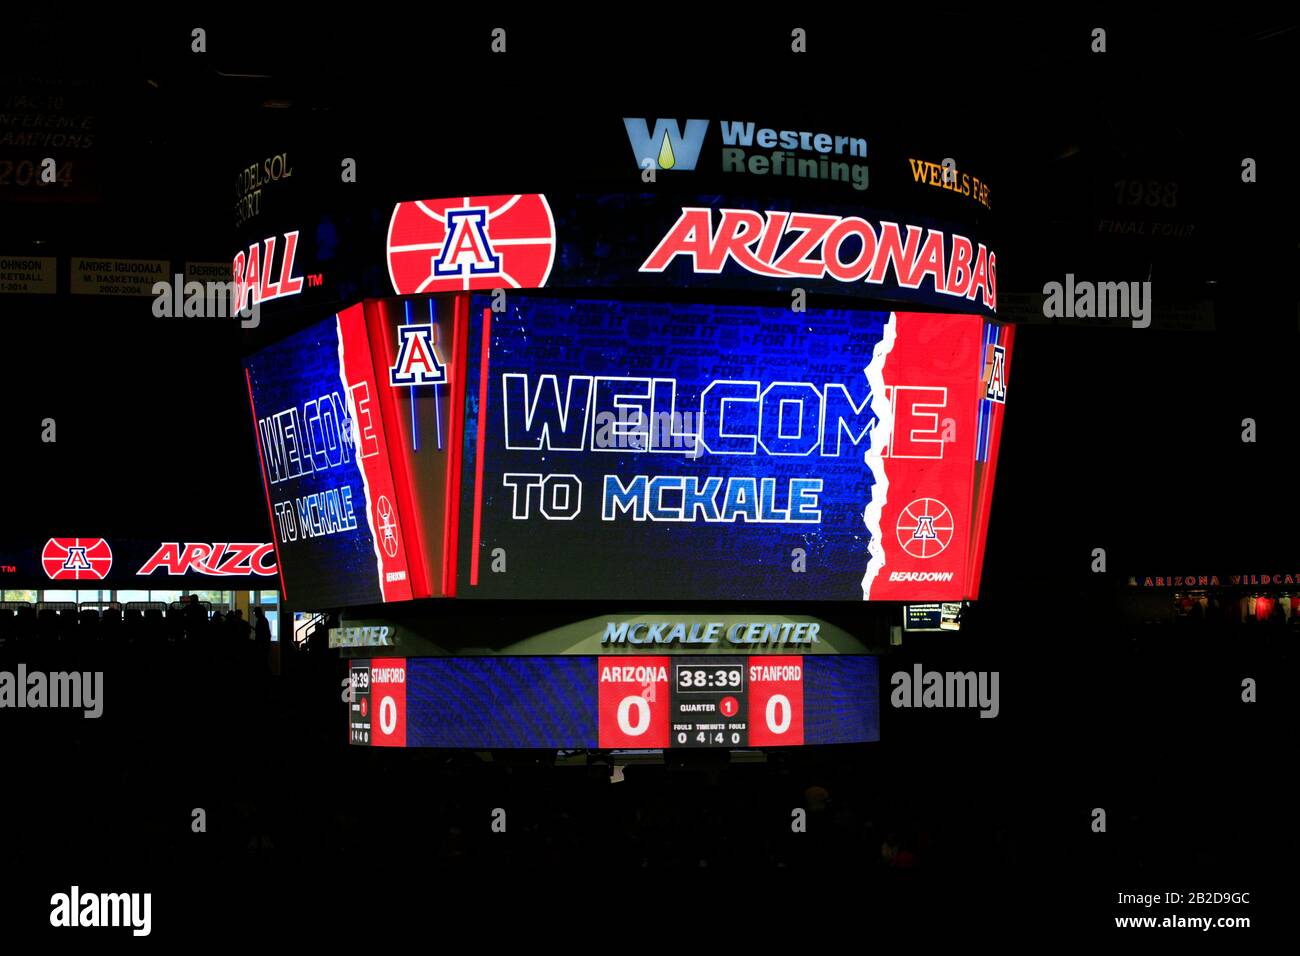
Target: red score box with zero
[775,701]
[634,702]
[388,702]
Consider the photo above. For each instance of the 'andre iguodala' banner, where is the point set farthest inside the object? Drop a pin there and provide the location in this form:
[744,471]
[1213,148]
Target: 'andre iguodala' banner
[635,450]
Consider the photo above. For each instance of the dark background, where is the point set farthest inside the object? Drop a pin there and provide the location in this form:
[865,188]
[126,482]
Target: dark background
[1124,439]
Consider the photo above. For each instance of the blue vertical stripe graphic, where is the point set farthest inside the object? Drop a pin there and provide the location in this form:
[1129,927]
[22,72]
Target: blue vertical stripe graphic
[984,437]
[437,411]
[415,435]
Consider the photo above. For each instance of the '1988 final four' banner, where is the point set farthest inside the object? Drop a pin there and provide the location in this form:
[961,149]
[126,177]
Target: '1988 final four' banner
[640,450]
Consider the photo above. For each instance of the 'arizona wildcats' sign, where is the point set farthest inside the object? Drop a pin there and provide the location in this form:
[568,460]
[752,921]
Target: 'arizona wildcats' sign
[686,451]
[139,563]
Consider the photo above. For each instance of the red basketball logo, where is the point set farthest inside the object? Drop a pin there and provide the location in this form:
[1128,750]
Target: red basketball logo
[76,559]
[925,527]
[387,526]
[473,242]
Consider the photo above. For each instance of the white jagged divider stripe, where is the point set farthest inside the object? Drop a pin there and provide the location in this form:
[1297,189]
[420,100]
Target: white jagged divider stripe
[880,432]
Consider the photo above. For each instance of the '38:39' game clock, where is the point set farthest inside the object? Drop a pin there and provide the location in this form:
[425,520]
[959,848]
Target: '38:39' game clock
[652,702]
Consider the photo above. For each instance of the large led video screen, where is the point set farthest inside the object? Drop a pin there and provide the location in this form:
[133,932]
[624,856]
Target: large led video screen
[616,702]
[662,450]
[597,448]
[325,463]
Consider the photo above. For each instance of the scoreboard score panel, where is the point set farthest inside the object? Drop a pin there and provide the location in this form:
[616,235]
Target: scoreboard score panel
[641,703]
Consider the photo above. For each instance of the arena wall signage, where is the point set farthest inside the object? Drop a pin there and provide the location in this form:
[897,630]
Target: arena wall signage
[744,146]
[611,703]
[1215,580]
[359,635]
[616,635]
[135,563]
[743,635]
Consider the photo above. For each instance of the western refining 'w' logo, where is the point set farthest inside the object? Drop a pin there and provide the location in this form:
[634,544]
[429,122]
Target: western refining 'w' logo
[417,357]
[667,147]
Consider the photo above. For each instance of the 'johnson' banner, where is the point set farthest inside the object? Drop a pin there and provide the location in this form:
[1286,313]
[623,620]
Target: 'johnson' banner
[637,450]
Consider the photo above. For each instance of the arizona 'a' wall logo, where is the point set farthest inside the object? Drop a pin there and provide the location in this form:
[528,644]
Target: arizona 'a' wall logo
[997,387]
[473,242]
[417,357]
[76,559]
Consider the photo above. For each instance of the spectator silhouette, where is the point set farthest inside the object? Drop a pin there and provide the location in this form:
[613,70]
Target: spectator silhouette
[261,626]
[239,629]
[196,619]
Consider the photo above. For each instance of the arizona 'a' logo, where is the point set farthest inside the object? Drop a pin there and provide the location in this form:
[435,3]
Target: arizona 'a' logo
[467,250]
[417,357]
[76,559]
[997,388]
[471,243]
[925,528]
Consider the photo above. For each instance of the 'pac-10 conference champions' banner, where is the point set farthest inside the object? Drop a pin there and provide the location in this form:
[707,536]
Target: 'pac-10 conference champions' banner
[641,450]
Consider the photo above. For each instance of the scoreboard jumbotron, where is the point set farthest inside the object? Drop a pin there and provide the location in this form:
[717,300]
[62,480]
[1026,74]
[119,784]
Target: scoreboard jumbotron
[643,702]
